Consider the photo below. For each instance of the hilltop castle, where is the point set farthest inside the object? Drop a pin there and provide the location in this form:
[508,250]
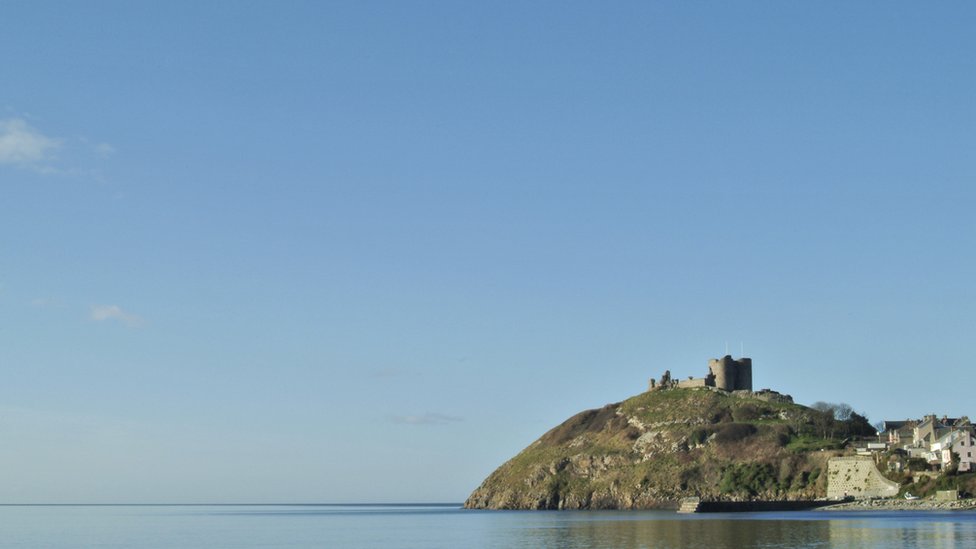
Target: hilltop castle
[724,373]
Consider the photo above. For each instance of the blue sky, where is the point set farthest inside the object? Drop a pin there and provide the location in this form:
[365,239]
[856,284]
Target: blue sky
[366,251]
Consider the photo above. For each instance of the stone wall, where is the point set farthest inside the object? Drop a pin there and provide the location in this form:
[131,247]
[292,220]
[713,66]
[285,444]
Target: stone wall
[691,383]
[857,477]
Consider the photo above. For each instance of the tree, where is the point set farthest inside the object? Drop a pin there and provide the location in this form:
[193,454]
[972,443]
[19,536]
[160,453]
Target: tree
[857,425]
[953,467]
[843,411]
[830,419]
[824,423]
[822,406]
[917,464]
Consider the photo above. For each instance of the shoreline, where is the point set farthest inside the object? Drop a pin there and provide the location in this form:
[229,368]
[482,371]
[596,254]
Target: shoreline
[903,505]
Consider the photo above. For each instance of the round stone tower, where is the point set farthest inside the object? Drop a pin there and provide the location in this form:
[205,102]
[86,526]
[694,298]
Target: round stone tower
[724,371]
[743,378]
[731,374]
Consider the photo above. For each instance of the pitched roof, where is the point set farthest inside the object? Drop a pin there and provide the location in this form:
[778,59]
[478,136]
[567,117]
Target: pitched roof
[896,425]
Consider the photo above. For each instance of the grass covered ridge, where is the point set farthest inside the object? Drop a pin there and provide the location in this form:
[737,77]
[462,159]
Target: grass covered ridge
[655,448]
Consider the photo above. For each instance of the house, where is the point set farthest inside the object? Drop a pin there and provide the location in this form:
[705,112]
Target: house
[870,448]
[934,439]
[899,433]
[920,433]
[961,442]
[929,430]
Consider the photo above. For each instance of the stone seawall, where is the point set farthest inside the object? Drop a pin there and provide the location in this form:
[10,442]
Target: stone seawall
[857,477]
[760,506]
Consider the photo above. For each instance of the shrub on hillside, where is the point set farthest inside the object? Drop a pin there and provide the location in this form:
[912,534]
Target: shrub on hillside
[733,432]
[782,434]
[748,478]
[698,436]
[746,412]
[917,464]
[721,416]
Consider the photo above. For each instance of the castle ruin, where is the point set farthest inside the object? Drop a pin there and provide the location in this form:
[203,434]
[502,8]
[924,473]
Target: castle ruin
[724,373]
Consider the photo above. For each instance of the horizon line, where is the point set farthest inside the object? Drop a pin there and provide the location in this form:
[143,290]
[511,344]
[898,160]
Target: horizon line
[211,504]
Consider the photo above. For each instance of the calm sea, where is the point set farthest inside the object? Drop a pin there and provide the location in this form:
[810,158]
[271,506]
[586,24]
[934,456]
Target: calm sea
[447,526]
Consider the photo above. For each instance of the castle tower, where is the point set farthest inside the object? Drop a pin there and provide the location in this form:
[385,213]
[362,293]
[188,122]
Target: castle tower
[724,372]
[743,380]
[730,374]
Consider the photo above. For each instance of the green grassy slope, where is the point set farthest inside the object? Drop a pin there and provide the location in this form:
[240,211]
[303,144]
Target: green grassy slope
[655,448]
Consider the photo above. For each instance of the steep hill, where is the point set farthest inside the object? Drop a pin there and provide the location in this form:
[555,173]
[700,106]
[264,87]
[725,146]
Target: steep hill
[655,448]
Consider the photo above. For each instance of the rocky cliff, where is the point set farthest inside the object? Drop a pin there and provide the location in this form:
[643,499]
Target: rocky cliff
[655,448]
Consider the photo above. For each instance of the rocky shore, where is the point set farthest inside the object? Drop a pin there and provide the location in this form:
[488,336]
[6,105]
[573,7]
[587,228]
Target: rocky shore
[926,504]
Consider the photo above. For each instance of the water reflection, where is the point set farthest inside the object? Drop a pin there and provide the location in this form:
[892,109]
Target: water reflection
[446,527]
[597,531]
[931,530]
[675,533]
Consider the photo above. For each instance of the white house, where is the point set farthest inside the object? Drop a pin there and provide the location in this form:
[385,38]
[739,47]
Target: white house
[961,442]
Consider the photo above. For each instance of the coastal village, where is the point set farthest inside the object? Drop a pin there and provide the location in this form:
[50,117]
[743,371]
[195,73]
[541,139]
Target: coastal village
[940,443]
[929,451]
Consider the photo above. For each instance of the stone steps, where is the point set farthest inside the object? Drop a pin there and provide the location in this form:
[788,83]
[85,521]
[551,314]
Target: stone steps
[689,505]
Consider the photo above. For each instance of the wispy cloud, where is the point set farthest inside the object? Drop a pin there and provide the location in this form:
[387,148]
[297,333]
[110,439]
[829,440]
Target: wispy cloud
[101,313]
[430,418]
[46,302]
[99,149]
[24,146]
[104,150]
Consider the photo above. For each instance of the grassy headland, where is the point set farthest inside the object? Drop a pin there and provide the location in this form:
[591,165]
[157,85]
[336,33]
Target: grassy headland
[655,448]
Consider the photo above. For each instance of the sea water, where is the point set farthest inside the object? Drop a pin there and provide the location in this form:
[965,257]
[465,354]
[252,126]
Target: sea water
[448,526]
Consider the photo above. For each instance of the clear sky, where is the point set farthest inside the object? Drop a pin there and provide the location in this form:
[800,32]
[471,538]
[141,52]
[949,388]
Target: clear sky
[351,252]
